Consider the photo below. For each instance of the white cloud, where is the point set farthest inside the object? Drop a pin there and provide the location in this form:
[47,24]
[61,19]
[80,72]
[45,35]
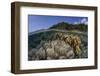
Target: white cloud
[84,21]
[76,22]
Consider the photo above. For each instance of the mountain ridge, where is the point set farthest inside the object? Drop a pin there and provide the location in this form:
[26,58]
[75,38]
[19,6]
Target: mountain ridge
[63,26]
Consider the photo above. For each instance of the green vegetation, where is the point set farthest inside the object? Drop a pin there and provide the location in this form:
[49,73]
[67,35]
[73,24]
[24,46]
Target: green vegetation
[67,26]
[80,30]
[35,39]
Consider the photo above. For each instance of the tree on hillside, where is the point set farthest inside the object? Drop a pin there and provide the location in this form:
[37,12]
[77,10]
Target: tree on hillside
[67,26]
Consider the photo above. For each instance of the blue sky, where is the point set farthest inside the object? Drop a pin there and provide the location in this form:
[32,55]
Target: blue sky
[37,22]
